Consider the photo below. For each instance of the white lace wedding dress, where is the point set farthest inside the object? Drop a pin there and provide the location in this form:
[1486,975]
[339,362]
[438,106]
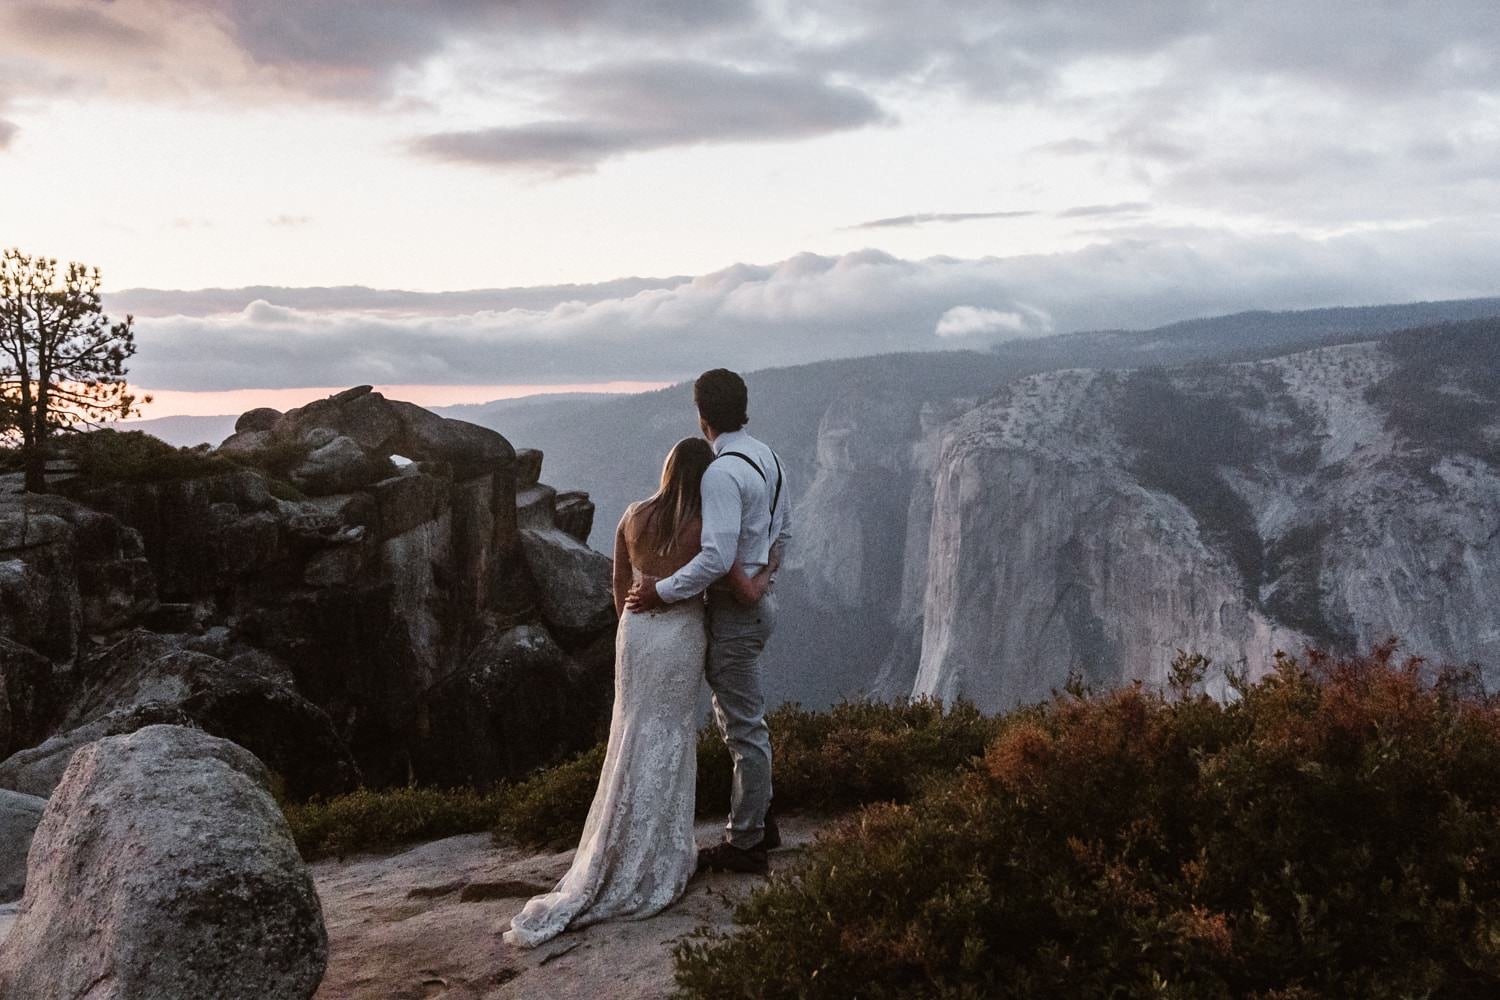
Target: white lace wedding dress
[637,851]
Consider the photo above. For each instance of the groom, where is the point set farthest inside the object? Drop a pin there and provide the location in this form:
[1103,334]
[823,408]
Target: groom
[745,515]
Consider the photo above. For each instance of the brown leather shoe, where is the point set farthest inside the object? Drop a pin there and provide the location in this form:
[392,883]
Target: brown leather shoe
[726,857]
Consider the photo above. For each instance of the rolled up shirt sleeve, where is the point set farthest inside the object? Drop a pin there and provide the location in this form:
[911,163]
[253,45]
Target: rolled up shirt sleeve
[720,539]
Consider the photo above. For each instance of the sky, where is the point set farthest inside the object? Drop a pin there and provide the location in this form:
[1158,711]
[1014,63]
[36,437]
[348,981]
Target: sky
[581,193]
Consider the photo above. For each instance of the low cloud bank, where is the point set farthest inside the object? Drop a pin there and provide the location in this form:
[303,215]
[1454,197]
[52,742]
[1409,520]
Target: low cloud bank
[803,309]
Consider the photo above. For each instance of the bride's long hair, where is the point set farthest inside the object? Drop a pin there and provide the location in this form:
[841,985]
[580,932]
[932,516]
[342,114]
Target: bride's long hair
[680,498]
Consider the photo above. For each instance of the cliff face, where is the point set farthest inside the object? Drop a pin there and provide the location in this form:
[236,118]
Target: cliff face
[370,592]
[843,575]
[861,439]
[1094,523]
[841,605]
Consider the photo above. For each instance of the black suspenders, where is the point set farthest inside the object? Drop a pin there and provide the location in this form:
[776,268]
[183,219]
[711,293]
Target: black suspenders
[762,473]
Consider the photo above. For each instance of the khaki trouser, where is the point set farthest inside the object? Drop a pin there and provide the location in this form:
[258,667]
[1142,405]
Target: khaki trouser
[736,636]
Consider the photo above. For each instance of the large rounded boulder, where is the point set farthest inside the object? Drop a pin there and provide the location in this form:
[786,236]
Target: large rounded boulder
[163,868]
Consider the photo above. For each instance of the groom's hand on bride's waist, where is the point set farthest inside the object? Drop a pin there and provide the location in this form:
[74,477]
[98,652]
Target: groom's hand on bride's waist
[643,596]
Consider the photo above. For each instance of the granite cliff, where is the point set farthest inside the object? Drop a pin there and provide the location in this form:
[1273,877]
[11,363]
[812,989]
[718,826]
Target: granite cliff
[1095,522]
[862,440]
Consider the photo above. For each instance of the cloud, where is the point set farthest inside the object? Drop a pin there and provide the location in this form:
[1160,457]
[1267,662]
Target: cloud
[77,25]
[970,321]
[1285,113]
[1077,212]
[349,298]
[1276,114]
[1118,208]
[380,35]
[802,309]
[1008,49]
[342,49]
[906,221]
[986,50]
[8,132]
[633,107]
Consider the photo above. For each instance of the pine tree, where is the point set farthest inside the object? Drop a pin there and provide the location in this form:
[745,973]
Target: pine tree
[62,362]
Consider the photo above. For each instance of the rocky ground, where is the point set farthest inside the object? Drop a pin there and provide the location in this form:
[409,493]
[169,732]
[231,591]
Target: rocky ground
[426,923]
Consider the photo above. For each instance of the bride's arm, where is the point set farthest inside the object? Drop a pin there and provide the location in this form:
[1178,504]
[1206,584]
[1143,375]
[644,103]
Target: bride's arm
[623,572]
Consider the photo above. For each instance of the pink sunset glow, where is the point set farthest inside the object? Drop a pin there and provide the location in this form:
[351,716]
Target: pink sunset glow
[175,403]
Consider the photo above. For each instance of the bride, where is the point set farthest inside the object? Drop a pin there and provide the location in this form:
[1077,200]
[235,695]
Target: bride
[637,851]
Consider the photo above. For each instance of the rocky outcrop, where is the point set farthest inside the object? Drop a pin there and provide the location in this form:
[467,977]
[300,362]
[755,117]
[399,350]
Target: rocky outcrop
[511,687]
[308,599]
[572,581]
[199,535]
[145,674]
[146,678]
[37,770]
[19,816]
[32,690]
[66,570]
[573,513]
[1095,523]
[162,867]
[261,418]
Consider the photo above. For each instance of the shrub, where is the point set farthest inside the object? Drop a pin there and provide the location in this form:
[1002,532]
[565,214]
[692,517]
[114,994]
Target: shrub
[276,460]
[852,754]
[368,820]
[860,752]
[109,456]
[1334,832]
[549,807]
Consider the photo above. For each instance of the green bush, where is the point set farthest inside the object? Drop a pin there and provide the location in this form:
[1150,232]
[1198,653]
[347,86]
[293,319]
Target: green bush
[369,820]
[109,456]
[276,460]
[861,752]
[852,754]
[549,807]
[1335,832]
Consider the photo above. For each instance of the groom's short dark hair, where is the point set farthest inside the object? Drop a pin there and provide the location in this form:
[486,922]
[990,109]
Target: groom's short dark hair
[721,400]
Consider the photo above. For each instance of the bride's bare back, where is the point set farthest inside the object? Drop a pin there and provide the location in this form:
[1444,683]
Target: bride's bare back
[642,550]
[634,551]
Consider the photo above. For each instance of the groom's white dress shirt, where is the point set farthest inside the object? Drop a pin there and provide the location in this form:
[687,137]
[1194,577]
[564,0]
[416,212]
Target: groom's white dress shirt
[737,518]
